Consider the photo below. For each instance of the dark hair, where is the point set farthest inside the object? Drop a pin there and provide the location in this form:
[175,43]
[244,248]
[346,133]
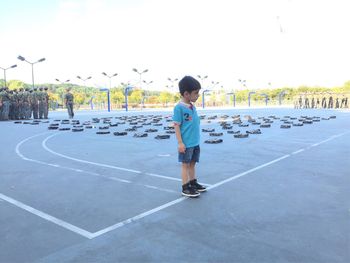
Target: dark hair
[188,84]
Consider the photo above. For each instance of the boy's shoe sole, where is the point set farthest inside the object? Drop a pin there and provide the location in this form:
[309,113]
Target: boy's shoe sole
[191,195]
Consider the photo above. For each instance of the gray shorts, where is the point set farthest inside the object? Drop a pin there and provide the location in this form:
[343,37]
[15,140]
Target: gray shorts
[190,155]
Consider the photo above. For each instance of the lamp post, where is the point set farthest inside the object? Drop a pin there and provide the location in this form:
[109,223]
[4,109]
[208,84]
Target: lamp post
[62,83]
[110,86]
[140,74]
[234,98]
[110,77]
[4,69]
[214,84]
[148,82]
[84,80]
[242,82]
[172,81]
[126,93]
[203,95]
[202,78]
[249,95]
[32,64]
[266,97]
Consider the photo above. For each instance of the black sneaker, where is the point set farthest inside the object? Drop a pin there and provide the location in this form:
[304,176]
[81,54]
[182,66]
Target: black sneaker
[189,191]
[197,186]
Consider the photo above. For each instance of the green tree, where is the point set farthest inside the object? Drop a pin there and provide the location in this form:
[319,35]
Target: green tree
[117,96]
[165,97]
[15,84]
[136,96]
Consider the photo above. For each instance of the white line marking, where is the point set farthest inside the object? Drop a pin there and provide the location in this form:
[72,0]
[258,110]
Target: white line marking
[164,177]
[119,180]
[248,172]
[170,178]
[161,189]
[106,165]
[79,170]
[47,217]
[164,155]
[298,151]
[138,217]
[176,201]
[84,161]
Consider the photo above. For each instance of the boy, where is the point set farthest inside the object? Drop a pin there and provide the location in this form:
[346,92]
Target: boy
[187,130]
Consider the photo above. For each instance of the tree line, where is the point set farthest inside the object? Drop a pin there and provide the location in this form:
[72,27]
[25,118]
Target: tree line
[85,96]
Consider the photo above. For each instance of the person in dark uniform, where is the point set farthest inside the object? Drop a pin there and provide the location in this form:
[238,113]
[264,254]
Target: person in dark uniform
[69,101]
[324,102]
[46,103]
[300,102]
[330,102]
[35,103]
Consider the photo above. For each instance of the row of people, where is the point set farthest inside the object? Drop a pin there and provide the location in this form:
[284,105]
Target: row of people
[329,101]
[24,104]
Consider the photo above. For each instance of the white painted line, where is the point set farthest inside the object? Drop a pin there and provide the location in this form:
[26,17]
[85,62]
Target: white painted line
[164,177]
[47,217]
[248,172]
[160,189]
[298,151]
[138,217]
[78,170]
[119,180]
[176,201]
[170,178]
[84,161]
[106,165]
[164,155]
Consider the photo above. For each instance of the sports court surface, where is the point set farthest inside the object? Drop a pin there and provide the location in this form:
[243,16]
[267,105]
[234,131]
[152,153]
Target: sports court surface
[279,196]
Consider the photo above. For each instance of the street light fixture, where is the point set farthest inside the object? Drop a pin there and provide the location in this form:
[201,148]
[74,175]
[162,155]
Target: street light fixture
[249,95]
[242,82]
[172,81]
[4,69]
[62,83]
[203,95]
[140,74]
[214,83]
[110,77]
[202,78]
[234,98]
[110,86]
[32,64]
[84,80]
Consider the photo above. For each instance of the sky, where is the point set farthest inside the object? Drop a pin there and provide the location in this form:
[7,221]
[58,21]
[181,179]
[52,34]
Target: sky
[282,42]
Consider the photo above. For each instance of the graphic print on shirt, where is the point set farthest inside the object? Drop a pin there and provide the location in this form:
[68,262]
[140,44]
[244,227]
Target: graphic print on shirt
[187,117]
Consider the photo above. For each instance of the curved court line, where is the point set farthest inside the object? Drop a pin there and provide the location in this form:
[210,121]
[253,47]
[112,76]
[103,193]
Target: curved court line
[176,201]
[18,152]
[102,164]
[83,161]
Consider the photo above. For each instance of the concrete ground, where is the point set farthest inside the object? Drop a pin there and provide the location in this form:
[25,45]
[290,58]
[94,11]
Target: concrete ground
[279,196]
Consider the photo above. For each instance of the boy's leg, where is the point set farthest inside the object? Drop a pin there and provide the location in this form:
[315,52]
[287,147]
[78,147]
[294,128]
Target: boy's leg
[184,173]
[191,170]
[187,189]
[193,180]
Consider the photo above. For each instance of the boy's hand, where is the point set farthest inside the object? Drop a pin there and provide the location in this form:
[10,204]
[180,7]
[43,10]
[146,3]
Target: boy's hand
[182,148]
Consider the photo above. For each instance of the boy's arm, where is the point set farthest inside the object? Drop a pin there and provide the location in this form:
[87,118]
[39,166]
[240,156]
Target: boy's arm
[181,145]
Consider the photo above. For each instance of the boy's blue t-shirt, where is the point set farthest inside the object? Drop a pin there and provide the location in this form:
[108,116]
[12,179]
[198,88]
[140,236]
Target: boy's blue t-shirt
[186,116]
